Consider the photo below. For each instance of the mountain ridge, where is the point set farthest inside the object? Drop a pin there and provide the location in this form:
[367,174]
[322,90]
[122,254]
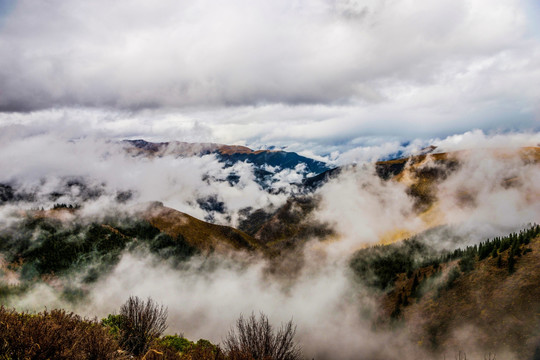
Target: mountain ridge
[226,153]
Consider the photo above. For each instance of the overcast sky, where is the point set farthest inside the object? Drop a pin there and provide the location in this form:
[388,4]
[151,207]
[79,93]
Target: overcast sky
[317,75]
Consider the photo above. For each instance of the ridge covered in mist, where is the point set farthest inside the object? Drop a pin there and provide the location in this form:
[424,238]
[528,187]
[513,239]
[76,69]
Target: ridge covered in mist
[265,160]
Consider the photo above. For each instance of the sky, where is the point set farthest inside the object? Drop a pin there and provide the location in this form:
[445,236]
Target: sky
[317,76]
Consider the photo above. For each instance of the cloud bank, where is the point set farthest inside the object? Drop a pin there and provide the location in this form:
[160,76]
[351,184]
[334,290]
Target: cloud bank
[319,73]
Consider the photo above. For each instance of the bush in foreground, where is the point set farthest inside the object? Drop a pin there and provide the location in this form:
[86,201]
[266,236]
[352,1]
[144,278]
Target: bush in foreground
[135,333]
[54,334]
[255,339]
[140,323]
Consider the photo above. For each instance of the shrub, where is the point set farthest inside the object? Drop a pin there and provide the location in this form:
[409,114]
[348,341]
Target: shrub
[175,347]
[175,342]
[54,334]
[204,350]
[141,323]
[255,339]
[113,323]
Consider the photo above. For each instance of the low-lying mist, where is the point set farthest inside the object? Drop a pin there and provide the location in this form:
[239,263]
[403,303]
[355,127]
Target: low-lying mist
[45,170]
[489,194]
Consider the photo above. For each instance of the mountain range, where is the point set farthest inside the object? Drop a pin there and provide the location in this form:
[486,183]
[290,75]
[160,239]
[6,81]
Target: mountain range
[428,275]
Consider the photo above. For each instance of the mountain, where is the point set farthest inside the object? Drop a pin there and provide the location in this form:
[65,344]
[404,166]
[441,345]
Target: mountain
[314,182]
[429,286]
[448,161]
[487,294]
[228,154]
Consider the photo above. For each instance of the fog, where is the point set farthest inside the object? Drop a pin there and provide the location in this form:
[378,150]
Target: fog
[99,170]
[491,193]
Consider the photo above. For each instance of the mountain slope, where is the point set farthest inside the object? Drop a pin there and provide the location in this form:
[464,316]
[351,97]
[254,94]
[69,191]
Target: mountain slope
[488,302]
[199,234]
[288,226]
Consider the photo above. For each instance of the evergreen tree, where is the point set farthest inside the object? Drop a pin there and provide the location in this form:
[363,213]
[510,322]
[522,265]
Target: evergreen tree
[414,286]
[415,283]
[511,263]
[409,273]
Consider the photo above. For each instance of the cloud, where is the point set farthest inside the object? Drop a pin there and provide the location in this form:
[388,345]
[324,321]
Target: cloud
[492,187]
[315,130]
[491,193]
[206,296]
[414,62]
[92,172]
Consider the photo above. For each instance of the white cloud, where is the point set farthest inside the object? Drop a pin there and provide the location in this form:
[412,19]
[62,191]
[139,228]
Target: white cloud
[371,65]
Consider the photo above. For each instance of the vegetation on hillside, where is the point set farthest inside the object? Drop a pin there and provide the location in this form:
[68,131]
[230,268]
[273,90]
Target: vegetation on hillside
[289,226]
[491,286]
[39,247]
[379,266]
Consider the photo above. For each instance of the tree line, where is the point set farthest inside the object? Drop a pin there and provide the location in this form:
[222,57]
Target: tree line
[379,266]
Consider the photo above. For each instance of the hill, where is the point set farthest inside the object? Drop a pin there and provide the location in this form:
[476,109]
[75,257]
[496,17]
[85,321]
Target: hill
[48,245]
[199,234]
[497,301]
[483,298]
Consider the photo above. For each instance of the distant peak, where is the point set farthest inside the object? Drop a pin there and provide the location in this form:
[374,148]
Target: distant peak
[427,150]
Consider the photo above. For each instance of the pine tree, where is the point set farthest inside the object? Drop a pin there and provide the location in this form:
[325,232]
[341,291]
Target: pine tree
[511,263]
[415,283]
[414,286]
